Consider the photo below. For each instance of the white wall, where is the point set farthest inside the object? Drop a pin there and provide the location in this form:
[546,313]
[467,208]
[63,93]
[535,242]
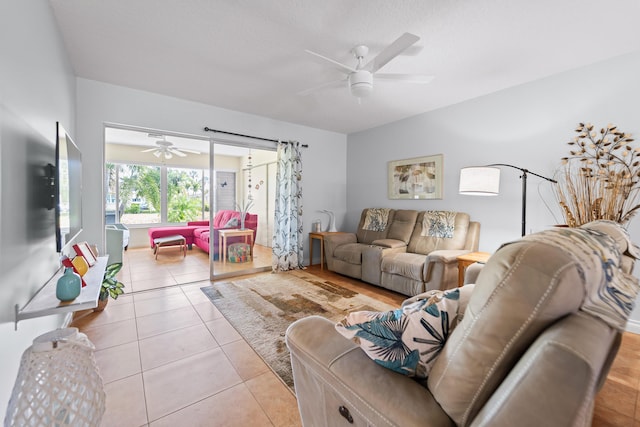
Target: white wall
[526,126]
[37,88]
[324,162]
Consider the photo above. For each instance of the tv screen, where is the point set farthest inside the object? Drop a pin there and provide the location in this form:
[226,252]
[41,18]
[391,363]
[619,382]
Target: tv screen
[68,189]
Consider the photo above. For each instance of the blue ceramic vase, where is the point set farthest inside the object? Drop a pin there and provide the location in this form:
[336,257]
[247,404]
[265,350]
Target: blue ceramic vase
[69,285]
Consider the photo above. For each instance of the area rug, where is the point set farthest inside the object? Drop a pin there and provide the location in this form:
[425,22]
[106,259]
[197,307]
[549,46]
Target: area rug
[262,307]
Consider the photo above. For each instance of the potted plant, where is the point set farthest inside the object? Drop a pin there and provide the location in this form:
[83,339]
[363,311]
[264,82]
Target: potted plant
[111,286]
[600,179]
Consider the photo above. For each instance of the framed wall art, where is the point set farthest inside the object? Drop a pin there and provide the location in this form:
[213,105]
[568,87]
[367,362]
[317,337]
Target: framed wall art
[417,178]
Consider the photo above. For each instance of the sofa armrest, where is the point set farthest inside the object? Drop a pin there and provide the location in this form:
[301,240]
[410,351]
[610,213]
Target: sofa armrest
[331,371]
[441,269]
[335,240]
[389,243]
[446,256]
[554,383]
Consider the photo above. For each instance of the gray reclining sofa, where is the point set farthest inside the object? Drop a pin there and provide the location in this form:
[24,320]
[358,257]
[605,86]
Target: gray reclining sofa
[407,251]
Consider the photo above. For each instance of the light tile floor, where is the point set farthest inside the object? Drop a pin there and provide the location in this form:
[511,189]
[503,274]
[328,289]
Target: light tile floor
[168,357]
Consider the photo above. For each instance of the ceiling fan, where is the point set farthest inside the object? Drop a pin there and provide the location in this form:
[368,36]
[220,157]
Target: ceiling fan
[360,78]
[166,149]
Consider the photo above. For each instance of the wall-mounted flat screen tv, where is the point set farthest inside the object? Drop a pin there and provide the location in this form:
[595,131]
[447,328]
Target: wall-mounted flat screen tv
[68,189]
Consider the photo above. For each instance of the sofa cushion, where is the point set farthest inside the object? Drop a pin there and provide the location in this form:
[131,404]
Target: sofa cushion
[368,236]
[350,253]
[438,224]
[408,340]
[424,241]
[404,264]
[402,225]
[376,219]
[201,232]
[502,319]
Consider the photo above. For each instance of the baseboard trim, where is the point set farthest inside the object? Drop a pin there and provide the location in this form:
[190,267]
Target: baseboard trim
[633,326]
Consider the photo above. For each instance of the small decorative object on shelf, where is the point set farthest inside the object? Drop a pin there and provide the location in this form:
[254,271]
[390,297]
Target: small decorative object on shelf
[58,383]
[600,179]
[81,265]
[82,249]
[111,286]
[67,262]
[69,285]
[331,227]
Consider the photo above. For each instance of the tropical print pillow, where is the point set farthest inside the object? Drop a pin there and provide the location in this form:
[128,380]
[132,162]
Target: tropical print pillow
[376,219]
[438,224]
[408,340]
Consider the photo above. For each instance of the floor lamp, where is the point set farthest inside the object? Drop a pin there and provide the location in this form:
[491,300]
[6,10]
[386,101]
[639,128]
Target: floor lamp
[485,181]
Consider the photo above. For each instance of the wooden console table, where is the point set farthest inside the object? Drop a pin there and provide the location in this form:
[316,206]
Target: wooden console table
[319,235]
[466,260]
[230,232]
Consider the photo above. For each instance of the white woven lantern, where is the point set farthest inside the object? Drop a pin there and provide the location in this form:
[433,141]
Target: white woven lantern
[58,383]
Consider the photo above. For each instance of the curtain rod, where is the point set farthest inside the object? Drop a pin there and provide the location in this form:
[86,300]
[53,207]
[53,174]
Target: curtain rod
[208,129]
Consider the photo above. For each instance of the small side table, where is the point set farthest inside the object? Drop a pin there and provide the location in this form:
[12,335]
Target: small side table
[466,260]
[319,235]
[230,232]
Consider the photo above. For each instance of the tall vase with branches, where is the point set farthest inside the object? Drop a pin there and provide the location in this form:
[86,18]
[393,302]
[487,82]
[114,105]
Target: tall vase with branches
[244,209]
[600,179]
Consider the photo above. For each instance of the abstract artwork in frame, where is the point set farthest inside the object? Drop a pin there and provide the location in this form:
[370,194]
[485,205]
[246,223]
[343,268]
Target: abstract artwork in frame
[417,178]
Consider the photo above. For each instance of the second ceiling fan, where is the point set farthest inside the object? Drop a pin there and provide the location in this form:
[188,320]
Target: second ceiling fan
[166,148]
[360,78]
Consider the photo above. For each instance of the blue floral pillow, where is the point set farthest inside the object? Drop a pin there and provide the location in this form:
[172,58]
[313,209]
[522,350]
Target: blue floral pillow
[408,340]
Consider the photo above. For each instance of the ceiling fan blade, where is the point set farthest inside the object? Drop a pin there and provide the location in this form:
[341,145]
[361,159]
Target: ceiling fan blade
[184,150]
[333,83]
[407,78]
[148,150]
[401,44]
[176,152]
[343,68]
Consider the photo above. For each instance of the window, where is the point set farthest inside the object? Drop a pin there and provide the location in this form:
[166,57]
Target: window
[140,194]
[186,195]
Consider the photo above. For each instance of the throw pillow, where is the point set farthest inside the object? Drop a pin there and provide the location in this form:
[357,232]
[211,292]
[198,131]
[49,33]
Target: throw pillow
[409,339]
[233,222]
[438,224]
[376,219]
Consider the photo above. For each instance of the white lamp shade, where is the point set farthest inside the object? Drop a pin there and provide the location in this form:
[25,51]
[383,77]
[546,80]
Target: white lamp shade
[480,181]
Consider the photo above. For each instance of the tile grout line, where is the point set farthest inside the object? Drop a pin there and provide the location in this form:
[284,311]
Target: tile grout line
[144,390]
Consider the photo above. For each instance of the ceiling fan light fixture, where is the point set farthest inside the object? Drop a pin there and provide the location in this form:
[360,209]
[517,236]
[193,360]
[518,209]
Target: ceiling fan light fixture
[167,155]
[157,153]
[361,83]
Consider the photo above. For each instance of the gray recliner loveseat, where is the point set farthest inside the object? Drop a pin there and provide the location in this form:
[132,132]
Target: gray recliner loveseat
[407,251]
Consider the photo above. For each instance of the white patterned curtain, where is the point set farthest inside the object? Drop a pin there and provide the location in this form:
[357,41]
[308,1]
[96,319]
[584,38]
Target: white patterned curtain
[287,233]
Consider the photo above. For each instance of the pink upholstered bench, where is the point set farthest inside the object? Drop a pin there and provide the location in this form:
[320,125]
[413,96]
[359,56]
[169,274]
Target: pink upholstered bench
[184,230]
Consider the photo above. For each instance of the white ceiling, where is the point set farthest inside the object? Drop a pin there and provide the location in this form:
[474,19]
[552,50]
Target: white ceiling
[248,55]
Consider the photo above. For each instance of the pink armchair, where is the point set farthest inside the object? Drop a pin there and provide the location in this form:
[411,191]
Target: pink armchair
[222,219]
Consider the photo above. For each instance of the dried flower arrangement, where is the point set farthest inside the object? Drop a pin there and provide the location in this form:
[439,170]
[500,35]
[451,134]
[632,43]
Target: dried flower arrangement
[600,179]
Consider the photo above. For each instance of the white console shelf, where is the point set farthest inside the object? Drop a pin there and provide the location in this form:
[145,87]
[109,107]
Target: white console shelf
[45,303]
